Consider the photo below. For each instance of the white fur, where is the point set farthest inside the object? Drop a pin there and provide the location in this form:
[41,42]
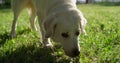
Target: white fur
[57,18]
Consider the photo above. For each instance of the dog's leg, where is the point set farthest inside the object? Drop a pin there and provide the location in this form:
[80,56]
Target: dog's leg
[32,13]
[46,41]
[14,24]
[17,7]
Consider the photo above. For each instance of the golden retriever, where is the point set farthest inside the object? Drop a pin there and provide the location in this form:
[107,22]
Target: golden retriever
[59,20]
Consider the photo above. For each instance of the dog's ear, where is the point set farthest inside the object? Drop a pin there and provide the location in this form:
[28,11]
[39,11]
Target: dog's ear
[49,25]
[83,23]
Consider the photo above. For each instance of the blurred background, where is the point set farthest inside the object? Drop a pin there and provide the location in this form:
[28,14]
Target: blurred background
[7,2]
[95,1]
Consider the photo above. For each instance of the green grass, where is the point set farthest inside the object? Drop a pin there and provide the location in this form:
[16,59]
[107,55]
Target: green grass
[101,45]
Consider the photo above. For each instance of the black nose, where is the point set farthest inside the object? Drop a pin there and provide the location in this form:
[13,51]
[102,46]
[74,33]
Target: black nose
[75,52]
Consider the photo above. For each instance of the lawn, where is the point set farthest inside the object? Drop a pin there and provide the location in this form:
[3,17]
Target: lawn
[101,45]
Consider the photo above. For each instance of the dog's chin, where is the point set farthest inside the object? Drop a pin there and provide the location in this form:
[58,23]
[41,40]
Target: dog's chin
[72,55]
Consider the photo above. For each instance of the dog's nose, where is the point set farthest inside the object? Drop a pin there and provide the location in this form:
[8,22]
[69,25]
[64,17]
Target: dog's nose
[75,52]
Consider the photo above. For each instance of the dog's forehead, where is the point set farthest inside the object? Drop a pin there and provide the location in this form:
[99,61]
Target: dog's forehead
[69,26]
[68,22]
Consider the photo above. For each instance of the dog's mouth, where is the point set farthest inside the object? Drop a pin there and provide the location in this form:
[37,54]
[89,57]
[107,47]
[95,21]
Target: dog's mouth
[73,53]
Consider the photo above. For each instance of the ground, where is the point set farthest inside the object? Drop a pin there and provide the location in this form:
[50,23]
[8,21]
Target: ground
[101,45]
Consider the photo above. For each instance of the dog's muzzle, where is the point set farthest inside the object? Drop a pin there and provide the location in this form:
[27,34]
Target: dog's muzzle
[73,53]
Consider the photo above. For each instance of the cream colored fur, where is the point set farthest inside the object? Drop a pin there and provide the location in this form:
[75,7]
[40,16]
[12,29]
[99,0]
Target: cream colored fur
[59,20]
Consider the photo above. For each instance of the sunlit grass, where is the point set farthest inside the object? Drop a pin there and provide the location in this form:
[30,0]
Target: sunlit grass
[101,45]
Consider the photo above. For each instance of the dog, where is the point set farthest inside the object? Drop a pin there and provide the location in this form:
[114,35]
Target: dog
[59,20]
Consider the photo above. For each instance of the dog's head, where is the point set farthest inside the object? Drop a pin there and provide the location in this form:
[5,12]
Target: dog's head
[65,28]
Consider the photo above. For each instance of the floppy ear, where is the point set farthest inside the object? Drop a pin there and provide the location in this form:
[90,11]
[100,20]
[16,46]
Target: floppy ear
[49,25]
[83,23]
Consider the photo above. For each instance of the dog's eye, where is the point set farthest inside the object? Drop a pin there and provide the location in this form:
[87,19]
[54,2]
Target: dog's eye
[65,35]
[77,33]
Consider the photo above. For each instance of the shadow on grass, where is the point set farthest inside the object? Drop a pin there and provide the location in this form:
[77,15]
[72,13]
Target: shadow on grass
[32,54]
[6,36]
[29,54]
